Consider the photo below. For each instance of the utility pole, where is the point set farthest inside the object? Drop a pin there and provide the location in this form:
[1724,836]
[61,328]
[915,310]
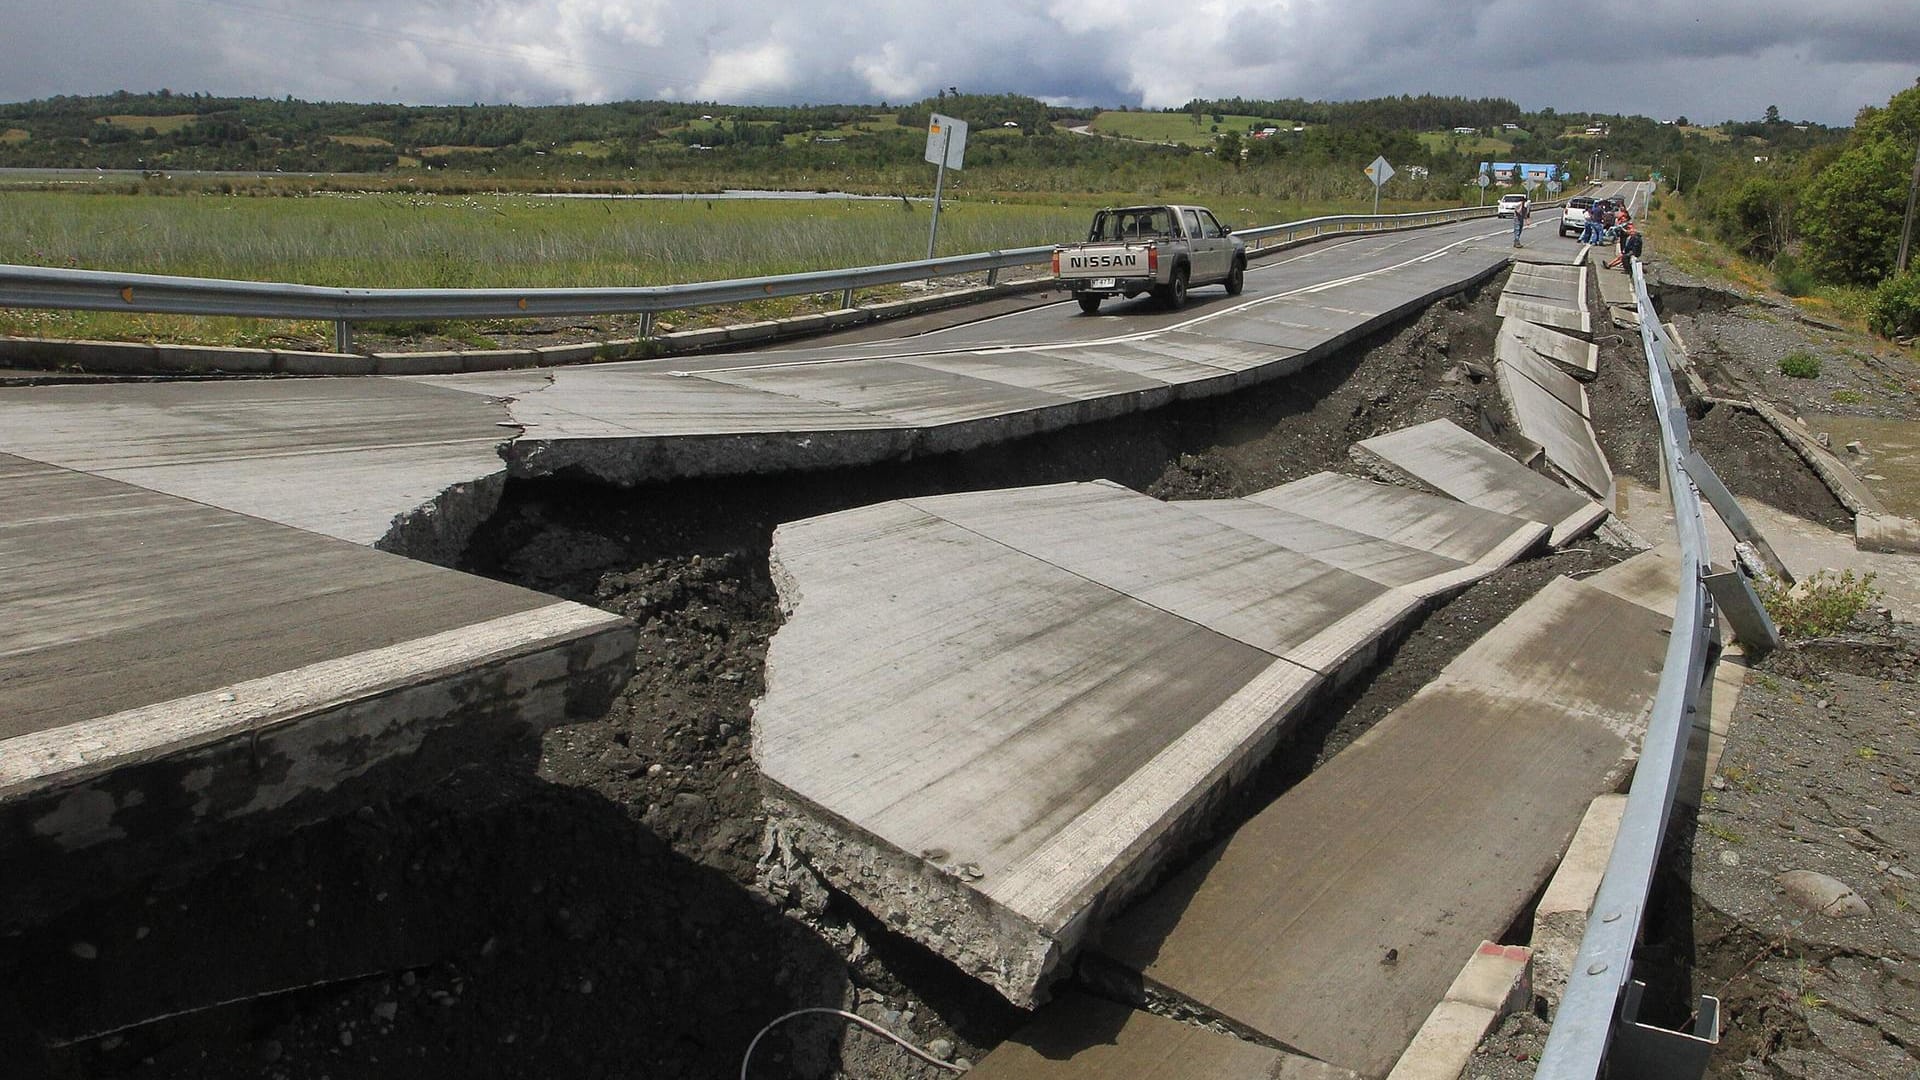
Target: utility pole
[1906,227]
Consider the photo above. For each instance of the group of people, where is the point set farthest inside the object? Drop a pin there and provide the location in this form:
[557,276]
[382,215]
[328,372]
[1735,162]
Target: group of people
[1609,222]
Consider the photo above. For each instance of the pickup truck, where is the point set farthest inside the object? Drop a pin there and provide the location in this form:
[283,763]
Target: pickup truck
[1164,250]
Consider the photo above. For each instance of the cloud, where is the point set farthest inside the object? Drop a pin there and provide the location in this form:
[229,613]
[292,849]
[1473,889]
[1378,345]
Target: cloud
[1709,59]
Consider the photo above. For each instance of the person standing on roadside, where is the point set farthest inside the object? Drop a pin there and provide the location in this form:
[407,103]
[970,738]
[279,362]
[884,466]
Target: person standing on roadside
[1520,215]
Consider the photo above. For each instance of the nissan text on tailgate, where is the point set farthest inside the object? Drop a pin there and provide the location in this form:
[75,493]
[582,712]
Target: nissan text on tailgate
[1158,249]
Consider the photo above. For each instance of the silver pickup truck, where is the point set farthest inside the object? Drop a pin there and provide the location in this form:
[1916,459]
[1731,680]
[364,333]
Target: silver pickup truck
[1164,250]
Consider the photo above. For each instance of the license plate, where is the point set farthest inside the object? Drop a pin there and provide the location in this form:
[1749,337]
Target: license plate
[1103,283]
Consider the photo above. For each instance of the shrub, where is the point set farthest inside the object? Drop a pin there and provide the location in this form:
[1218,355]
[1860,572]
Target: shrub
[1790,277]
[1820,605]
[1896,306]
[1800,364]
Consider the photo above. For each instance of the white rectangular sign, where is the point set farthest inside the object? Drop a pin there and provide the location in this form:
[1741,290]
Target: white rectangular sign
[946,141]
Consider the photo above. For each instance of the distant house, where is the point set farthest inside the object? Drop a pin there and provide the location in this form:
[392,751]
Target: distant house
[1596,129]
[1417,172]
[1009,123]
[1509,127]
[1464,130]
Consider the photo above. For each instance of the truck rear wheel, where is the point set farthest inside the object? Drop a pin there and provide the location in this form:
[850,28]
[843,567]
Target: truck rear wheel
[1174,293]
[1089,302]
[1237,278]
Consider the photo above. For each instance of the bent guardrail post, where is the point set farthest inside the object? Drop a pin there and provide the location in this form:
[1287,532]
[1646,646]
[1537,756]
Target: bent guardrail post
[1599,1013]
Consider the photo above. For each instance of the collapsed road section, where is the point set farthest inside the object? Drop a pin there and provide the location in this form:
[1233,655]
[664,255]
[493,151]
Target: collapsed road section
[991,717]
[174,678]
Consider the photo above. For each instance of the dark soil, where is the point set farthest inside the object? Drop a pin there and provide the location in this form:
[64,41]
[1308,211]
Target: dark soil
[1755,463]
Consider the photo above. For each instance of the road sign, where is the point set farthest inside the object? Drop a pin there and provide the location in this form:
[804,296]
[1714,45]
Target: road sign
[1483,180]
[946,141]
[1379,172]
[1530,183]
[946,147]
[1553,187]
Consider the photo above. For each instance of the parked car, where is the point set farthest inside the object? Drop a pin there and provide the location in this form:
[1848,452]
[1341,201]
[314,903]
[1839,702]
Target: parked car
[1509,203]
[1574,217]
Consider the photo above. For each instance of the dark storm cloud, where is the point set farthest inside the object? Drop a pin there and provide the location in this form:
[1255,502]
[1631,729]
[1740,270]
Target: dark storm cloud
[1709,59]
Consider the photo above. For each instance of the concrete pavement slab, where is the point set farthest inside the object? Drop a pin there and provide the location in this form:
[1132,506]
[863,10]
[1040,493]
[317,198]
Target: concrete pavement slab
[1421,572]
[1565,434]
[348,458]
[989,750]
[1445,457]
[897,391]
[1561,316]
[1549,376]
[1578,358]
[167,667]
[1289,605]
[1078,1037]
[1336,919]
[1416,519]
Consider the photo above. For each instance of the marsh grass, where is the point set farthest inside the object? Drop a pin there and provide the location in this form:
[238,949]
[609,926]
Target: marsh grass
[465,241]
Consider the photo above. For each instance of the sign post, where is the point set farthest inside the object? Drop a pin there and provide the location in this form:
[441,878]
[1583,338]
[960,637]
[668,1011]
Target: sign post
[1379,172]
[1483,181]
[947,148]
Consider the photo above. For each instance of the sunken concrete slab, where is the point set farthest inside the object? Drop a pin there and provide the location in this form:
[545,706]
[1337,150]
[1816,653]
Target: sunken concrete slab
[1545,312]
[170,672]
[1446,458]
[1287,604]
[1576,357]
[1421,572]
[990,716]
[365,460]
[1335,919]
[1416,519]
[1078,1037]
[1564,433]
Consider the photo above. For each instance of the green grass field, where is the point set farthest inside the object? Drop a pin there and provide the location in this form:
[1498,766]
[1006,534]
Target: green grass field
[1447,141]
[400,241]
[1172,127]
[161,124]
[15,135]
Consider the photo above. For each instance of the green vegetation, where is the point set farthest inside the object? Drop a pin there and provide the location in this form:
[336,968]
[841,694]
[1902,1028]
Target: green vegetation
[1800,364]
[1831,207]
[407,240]
[1896,306]
[1820,605]
[1484,145]
[1186,128]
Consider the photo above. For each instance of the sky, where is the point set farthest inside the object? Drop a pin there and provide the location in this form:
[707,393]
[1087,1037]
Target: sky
[1707,60]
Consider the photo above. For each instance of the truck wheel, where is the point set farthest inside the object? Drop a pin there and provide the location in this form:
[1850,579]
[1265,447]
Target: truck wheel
[1174,293]
[1237,278]
[1089,302]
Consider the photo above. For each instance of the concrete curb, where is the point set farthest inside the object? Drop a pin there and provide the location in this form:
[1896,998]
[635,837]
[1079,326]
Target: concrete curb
[1494,983]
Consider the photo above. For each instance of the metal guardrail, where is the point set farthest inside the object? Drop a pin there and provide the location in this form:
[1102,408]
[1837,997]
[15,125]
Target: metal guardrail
[100,290]
[1598,1020]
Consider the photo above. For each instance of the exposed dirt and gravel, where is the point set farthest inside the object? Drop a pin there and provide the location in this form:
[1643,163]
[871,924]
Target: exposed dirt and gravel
[597,908]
